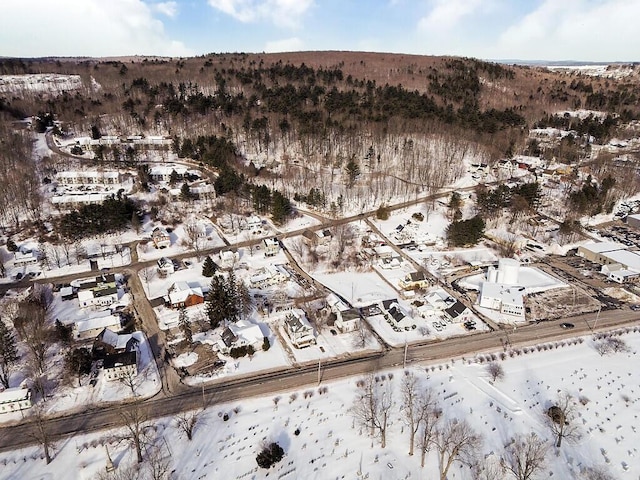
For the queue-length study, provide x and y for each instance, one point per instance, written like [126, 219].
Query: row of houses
[88, 177]
[149, 140]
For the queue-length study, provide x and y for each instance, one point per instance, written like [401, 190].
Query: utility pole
[597, 317]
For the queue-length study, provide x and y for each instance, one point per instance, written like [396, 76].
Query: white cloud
[170, 9]
[447, 13]
[601, 30]
[283, 13]
[293, 44]
[34, 28]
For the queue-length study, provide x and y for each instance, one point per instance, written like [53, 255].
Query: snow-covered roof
[631, 260]
[181, 295]
[248, 331]
[97, 323]
[15, 394]
[507, 294]
[600, 247]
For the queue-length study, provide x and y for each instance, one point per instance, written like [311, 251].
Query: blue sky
[593, 30]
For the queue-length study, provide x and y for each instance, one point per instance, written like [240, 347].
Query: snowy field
[322, 440]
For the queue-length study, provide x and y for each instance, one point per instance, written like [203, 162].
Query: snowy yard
[322, 440]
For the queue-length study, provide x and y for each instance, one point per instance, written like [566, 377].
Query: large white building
[501, 290]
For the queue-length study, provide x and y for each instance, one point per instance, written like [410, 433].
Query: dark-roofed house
[458, 313]
[414, 280]
[396, 315]
[299, 329]
[110, 342]
[120, 365]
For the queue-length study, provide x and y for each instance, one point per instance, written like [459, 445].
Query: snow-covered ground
[322, 440]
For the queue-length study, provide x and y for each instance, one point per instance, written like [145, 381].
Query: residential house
[120, 365]
[299, 329]
[439, 299]
[228, 259]
[269, 275]
[99, 293]
[320, 237]
[240, 334]
[458, 313]
[165, 266]
[160, 238]
[391, 263]
[163, 172]
[396, 316]
[348, 320]
[88, 177]
[324, 236]
[24, 258]
[111, 342]
[271, 247]
[90, 328]
[15, 399]
[74, 200]
[182, 295]
[254, 223]
[415, 281]
[309, 237]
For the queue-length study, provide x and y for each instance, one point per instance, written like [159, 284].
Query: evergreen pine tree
[216, 310]
[185, 325]
[231, 298]
[209, 267]
[185, 193]
[8, 353]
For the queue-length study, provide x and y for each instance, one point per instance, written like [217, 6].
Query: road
[270, 383]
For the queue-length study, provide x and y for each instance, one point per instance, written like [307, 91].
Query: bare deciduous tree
[495, 370]
[196, 237]
[372, 407]
[525, 456]
[41, 432]
[187, 422]
[135, 418]
[560, 418]
[362, 334]
[456, 441]
[596, 473]
[429, 415]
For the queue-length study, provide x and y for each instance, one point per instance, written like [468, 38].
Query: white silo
[508, 271]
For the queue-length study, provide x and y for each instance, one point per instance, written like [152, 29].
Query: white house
[160, 238]
[269, 275]
[22, 259]
[98, 297]
[228, 259]
[15, 399]
[348, 320]
[90, 328]
[439, 299]
[162, 173]
[165, 266]
[88, 177]
[271, 247]
[120, 365]
[254, 223]
[299, 329]
[240, 334]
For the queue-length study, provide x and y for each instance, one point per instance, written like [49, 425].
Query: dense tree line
[465, 232]
[113, 215]
[592, 198]
[491, 202]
